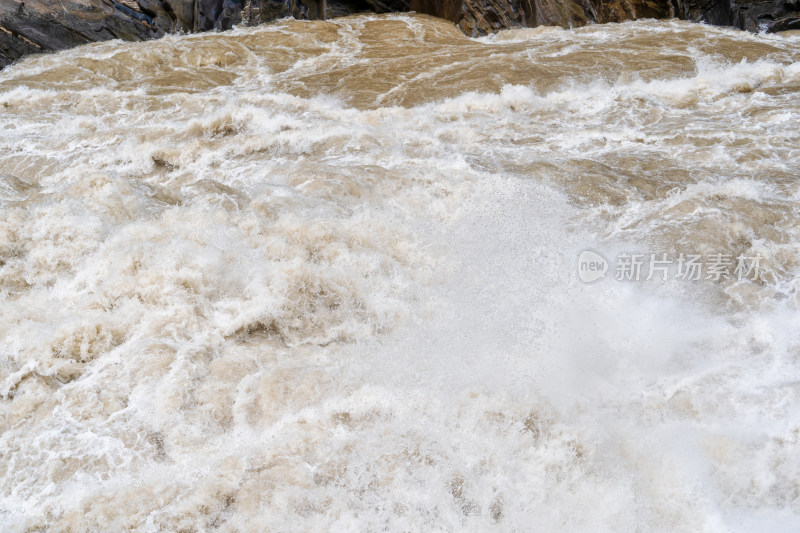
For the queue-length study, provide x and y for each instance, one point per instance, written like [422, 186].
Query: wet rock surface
[34, 26]
[478, 17]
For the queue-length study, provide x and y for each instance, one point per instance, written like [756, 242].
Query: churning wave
[322, 276]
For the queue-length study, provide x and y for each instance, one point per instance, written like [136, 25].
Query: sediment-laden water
[321, 276]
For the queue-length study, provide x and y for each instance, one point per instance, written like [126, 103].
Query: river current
[370, 274]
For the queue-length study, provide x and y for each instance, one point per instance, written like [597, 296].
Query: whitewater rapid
[324, 276]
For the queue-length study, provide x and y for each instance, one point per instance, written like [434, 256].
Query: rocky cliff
[31, 26]
[477, 17]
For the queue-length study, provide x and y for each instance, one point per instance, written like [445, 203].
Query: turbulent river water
[325, 276]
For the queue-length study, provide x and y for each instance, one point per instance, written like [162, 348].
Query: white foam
[258, 306]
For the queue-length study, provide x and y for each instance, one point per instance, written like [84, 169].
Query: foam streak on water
[322, 276]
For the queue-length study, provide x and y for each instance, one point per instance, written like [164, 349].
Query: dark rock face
[750, 15]
[477, 17]
[258, 11]
[31, 26]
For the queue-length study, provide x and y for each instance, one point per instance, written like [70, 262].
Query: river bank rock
[478, 17]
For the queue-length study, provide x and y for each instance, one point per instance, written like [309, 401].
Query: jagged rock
[31, 26]
[258, 11]
[478, 17]
[34, 26]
